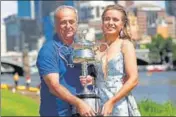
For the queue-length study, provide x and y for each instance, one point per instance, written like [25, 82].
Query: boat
[156, 68]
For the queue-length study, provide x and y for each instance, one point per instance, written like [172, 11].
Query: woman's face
[112, 22]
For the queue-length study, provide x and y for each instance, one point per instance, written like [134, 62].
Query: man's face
[66, 23]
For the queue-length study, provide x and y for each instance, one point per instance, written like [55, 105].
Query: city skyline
[12, 7]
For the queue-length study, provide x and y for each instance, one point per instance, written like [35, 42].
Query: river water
[158, 86]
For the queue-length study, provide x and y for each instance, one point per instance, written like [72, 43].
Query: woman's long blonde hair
[126, 32]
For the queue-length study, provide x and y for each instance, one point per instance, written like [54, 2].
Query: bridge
[142, 56]
[17, 66]
[10, 65]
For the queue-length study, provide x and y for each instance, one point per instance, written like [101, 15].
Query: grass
[19, 105]
[150, 108]
[13, 104]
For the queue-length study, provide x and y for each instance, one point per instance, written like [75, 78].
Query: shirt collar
[60, 42]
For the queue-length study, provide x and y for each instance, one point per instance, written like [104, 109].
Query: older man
[59, 79]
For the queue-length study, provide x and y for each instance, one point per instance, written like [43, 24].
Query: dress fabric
[109, 86]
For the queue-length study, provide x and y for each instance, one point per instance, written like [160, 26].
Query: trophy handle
[100, 49]
[83, 34]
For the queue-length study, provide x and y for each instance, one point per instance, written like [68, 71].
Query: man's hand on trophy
[86, 80]
[84, 109]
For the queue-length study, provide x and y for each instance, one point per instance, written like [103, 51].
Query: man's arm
[48, 68]
[60, 91]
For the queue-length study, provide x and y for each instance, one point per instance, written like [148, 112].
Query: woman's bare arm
[130, 69]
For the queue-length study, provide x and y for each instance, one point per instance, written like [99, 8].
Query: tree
[159, 49]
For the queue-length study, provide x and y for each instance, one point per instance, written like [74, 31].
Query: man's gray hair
[65, 6]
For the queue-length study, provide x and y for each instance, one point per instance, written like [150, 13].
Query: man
[58, 77]
[16, 79]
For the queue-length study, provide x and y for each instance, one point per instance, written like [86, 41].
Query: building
[44, 15]
[20, 33]
[171, 22]
[162, 28]
[3, 39]
[12, 33]
[91, 10]
[170, 7]
[147, 16]
[26, 9]
[126, 4]
[46, 9]
[134, 28]
[41, 11]
[32, 22]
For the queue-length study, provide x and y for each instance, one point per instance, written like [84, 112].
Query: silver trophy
[84, 54]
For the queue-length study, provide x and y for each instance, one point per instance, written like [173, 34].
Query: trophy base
[92, 100]
[78, 115]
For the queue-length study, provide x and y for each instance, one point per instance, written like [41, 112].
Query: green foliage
[159, 47]
[174, 51]
[150, 108]
[17, 105]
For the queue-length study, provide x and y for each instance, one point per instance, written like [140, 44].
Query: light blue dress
[108, 87]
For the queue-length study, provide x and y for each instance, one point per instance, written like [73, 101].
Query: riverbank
[23, 103]
[150, 108]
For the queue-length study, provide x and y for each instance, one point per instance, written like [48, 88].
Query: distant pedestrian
[28, 81]
[16, 79]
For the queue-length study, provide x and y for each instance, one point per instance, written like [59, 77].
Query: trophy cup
[84, 54]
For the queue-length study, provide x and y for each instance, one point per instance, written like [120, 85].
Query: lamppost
[26, 66]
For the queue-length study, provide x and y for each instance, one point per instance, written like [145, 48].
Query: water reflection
[159, 87]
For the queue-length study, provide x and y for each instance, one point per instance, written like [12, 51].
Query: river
[158, 86]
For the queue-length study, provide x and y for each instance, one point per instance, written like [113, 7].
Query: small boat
[156, 68]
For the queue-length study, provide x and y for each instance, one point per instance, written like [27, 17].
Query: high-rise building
[21, 32]
[171, 7]
[33, 20]
[42, 12]
[44, 15]
[26, 8]
[12, 33]
[47, 7]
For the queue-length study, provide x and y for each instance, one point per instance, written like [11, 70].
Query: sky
[10, 7]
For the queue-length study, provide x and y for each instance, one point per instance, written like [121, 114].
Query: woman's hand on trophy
[86, 80]
[107, 108]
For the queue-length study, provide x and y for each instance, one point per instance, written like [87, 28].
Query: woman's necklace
[105, 60]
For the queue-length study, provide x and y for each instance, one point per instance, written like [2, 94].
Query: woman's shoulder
[127, 45]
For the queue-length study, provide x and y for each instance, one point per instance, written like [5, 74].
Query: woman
[117, 62]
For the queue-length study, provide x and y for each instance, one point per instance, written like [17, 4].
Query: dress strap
[121, 46]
